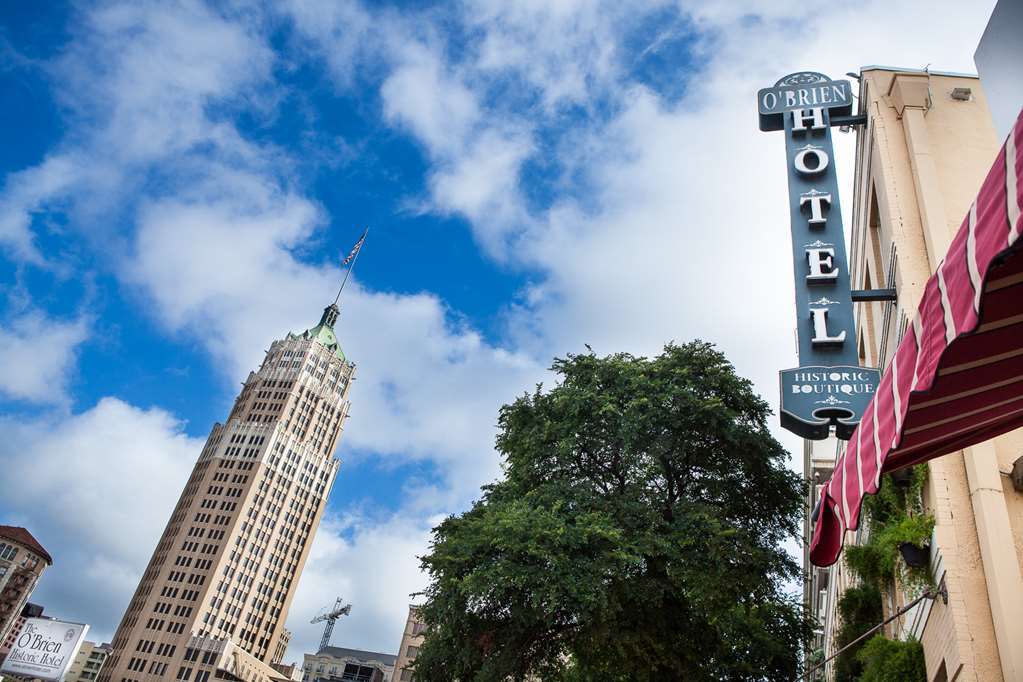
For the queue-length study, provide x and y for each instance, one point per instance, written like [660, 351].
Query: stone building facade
[88, 662]
[22, 562]
[338, 664]
[214, 598]
[921, 157]
[411, 639]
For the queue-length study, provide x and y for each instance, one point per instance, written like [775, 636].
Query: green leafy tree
[636, 535]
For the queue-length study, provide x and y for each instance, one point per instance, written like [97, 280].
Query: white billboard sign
[45, 648]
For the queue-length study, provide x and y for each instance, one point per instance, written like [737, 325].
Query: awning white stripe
[1011, 190]
[845, 488]
[971, 258]
[877, 446]
[897, 407]
[946, 307]
[859, 460]
[918, 333]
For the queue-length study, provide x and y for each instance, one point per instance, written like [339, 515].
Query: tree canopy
[636, 534]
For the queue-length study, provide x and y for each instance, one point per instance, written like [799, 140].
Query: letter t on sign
[817, 201]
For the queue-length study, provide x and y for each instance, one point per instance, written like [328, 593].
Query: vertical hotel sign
[829, 388]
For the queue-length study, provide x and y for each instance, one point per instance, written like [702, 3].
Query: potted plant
[903, 477]
[915, 556]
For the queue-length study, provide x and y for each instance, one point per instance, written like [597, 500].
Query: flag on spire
[355, 249]
[352, 257]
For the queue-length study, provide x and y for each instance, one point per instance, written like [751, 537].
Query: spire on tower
[330, 314]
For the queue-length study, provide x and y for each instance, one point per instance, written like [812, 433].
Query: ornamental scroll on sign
[829, 388]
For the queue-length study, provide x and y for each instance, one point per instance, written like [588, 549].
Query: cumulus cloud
[666, 220]
[37, 356]
[96, 489]
[431, 101]
[372, 566]
[427, 387]
[139, 82]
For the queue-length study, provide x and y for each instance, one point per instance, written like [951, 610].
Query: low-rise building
[338, 664]
[411, 640]
[29, 611]
[22, 562]
[88, 662]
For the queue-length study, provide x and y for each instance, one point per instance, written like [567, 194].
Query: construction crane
[331, 617]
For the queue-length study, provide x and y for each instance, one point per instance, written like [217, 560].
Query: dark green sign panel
[815, 398]
[802, 91]
[829, 388]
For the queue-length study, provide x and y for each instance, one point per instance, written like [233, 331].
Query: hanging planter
[915, 556]
[903, 478]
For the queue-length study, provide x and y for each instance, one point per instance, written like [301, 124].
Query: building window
[406, 674]
[412, 651]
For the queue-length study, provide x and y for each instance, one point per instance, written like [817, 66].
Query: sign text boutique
[829, 387]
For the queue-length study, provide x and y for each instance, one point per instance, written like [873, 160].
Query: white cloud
[372, 566]
[138, 82]
[681, 231]
[224, 272]
[435, 105]
[483, 185]
[96, 489]
[345, 25]
[37, 356]
[26, 193]
[143, 76]
[689, 237]
[567, 51]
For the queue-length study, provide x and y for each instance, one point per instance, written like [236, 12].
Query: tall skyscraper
[213, 601]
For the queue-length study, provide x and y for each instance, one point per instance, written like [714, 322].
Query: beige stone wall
[20, 570]
[920, 161]
[412, 637]
[88, 663]
[226, 567]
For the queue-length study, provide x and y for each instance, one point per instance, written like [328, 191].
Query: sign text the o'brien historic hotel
[829, 387]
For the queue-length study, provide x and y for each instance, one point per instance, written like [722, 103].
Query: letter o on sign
[820, 161]
[770, 100]
[22, 642]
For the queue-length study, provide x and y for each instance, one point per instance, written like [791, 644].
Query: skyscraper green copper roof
[324, 331]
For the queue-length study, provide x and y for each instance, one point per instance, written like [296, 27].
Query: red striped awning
[957, 376]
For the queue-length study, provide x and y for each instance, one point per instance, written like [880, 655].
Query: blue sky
[180, 181]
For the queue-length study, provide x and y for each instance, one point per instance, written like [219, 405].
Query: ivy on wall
[886, 660]
[894, 516]
[860, 609]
